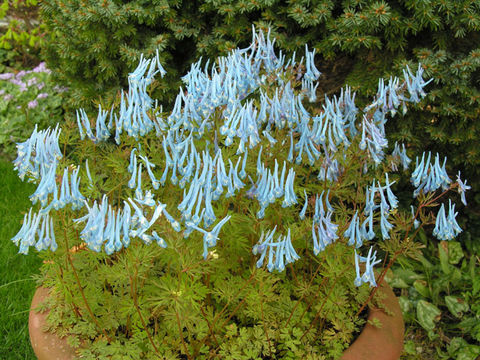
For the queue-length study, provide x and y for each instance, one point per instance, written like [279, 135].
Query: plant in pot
[244, 224]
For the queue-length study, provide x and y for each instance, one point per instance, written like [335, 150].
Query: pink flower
[20, 74]
[42, 96]
[31, 81]
[41, 68]
[6, 76]
[32, 104]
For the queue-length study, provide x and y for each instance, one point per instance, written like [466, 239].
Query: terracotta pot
[385, 343]
[47, 346]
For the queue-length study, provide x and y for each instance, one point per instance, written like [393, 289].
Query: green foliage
[24, 35]
[143, 299]
[444, 291]
[27, 98]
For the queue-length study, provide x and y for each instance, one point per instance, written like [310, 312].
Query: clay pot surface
[47, 346]
[385, 343]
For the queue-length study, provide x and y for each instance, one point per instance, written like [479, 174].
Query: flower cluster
[282, 250]
[446, 227]
[400, 154]
[249, 107]
[368, 276]
[427, 177]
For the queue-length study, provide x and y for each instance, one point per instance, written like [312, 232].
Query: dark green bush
[95, 43]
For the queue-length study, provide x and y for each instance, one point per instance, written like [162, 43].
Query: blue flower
[446, 227]
[353, 232]
[304, 209]
[368, 276]
[402, 155]
[462, 187]
[290, 197]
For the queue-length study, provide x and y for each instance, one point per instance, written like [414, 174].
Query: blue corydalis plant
[267, 146]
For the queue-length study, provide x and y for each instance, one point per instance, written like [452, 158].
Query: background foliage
[27, 98]
[23, 35]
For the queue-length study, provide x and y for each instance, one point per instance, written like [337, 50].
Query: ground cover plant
[23, 35]
[154, 247]
[27, 98]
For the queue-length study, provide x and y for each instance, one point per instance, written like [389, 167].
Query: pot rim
[384, 343]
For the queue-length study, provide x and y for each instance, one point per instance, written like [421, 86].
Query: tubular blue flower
[402, 155]
[138, 190]
[175, 224]
[370, 234]
[259, 161]
[210, 237]
[149, 165]
[262, 247]
[446, 228]
[304, 209]
[392, 199]
[132, 168]
[290, 197]
[462, 188]
[368, 276]
[385, 226]
[312, 73]
[160, 241]
[77, 198]
[290, 253]
[65, 196]
[350, 233]
[237, 183]
[416, 223]
[242, 173]
[358, 280]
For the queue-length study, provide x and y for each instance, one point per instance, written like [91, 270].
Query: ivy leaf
[443, 256]
[427, 315]
[455, 252]
[456, 305]
[422, 287]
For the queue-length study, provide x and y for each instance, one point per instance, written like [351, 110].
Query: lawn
[16, 284]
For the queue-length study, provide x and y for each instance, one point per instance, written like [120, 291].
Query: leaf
[427, 314]
[455, 252]
[422, 287]
[409, 276]
[456, 305]
[443, 255]
[405, 304]
[375, 323]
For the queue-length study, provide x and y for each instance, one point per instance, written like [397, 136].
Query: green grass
[16, 270]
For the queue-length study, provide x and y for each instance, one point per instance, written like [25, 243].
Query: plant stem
[209, 326]
[133, 294]
[80, 288]
[263, 319]
[228, 303]
[181, 335]
[301, 297]
[323, 304]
